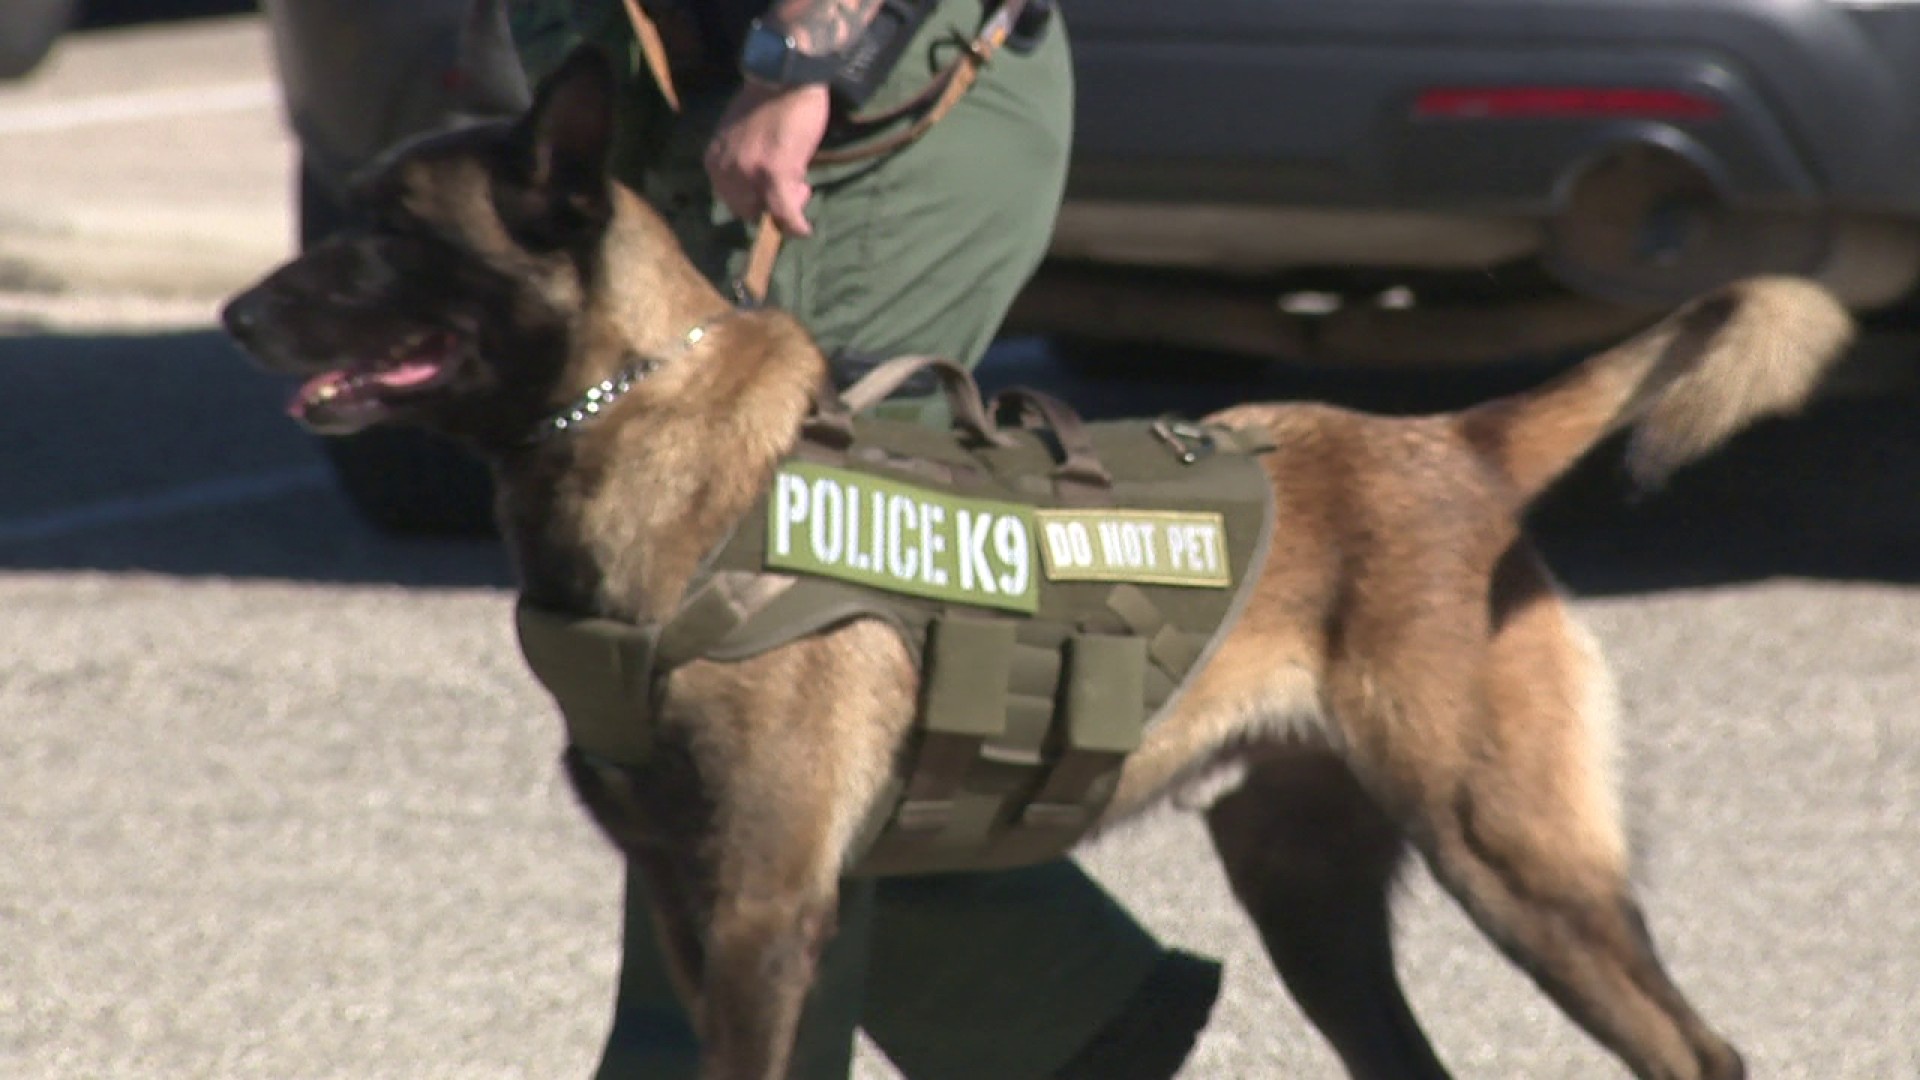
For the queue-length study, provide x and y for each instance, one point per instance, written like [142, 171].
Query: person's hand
[758, 158]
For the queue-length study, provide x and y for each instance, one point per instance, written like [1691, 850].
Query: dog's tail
[1684, 385]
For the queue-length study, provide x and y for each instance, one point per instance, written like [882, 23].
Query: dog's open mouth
[349, 398]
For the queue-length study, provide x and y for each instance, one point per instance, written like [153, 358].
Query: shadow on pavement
[100, 13]
[166, 453]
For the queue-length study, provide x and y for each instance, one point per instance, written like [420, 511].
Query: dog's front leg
[741, 939]
[797, 745]
[761, 958]
[657, 818]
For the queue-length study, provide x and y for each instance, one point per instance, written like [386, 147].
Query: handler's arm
[770, 131]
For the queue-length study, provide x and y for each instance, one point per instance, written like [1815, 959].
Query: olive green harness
[1053, 606]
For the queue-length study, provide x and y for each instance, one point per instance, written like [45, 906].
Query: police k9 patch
[903, 538]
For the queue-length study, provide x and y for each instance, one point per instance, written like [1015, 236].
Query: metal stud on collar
[599, 397]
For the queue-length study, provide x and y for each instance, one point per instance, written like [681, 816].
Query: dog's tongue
[347, 400]
[347, 388]
[409, 373]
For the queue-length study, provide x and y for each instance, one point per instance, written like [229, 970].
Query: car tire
[28, 29]
[399, 480]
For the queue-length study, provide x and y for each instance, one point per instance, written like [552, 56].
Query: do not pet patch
[1148, 547]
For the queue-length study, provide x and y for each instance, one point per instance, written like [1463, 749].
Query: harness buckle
[1189, 441]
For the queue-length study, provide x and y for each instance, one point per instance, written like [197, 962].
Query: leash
[654, 47]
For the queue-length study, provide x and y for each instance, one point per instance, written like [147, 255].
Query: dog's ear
[568, 135]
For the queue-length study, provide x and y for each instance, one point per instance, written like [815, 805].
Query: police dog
[1405, 673]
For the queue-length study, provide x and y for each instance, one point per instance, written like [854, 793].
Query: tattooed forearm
[824, 27]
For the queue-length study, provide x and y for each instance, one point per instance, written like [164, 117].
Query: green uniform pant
[1002, 975]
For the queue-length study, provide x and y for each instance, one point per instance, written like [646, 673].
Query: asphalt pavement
[277, 798]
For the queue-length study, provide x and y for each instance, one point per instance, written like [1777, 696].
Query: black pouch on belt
[1031, 26]
[869, 59]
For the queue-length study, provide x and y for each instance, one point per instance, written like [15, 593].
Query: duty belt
[1053, 607]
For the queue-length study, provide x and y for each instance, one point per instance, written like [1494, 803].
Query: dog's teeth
[330, 390]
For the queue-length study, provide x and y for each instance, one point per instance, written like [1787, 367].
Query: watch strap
[770, 55]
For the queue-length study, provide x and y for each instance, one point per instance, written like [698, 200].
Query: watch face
[764, 54]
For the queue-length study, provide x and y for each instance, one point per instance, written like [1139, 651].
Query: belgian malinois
[1405, 673]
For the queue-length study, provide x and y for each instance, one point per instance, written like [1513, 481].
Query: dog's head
[474, 294]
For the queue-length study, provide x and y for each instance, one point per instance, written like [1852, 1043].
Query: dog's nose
[242, 315]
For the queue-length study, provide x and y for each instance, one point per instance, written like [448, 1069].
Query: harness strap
[965, 702]
[712, 612]
[1103, 694]
[1079, 477]
[805, 607]
[601, 672]
[833, 415]
[1171, 650]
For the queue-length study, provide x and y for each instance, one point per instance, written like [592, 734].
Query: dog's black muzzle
[245, 318]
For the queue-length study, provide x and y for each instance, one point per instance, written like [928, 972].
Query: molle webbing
[1024, 719]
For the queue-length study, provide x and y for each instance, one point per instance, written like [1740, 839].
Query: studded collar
[598, 398]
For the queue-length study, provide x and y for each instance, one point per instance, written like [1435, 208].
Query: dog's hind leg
[1518, 821]
[1312, 857]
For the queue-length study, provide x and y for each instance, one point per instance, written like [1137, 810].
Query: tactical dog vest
[1053, 606]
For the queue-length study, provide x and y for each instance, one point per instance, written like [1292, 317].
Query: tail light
[1562, 103]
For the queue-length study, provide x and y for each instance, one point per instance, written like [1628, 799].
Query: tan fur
[1405, 674]
[1402, 633]
[1685, 384]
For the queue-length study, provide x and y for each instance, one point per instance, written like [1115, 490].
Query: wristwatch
[770, 55]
